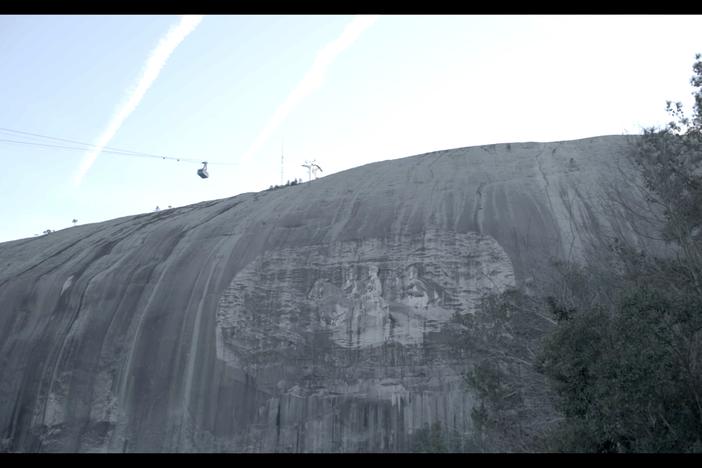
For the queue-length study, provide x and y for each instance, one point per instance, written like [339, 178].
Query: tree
[514, 409]
[628, 370]
[629, 381]
[670, 160]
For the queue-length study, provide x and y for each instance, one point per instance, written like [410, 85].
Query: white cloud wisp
[312, 79]
[154, 64]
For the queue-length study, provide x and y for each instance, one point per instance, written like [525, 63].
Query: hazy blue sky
[343, 90]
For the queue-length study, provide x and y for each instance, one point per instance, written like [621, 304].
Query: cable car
[202, 172]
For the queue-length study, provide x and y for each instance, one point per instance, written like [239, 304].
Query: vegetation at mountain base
[620, 367]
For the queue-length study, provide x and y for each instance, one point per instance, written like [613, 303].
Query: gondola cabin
[202, 172]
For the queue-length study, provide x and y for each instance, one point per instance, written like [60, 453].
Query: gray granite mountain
[309, 318]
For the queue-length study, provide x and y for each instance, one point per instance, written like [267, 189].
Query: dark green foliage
[629, 381]
[287, 184]
[671, 164]
[559, 311]
[626, 356]
[514, 406]
[611, 359]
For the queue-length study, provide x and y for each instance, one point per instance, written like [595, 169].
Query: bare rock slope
[308, 318]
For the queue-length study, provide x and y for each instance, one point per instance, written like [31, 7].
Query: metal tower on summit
[312, 168]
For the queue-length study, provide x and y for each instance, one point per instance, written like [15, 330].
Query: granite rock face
[316, 317]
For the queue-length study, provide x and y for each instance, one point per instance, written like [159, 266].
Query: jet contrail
[313, 78]
[154, 64]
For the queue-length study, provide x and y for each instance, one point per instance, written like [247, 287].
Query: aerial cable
[105, 149]
[122, 153]
[8, 130]
[46, 145]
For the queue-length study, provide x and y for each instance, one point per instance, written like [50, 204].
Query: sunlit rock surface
[316, 317]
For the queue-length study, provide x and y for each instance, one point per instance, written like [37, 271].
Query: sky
[239, 90]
